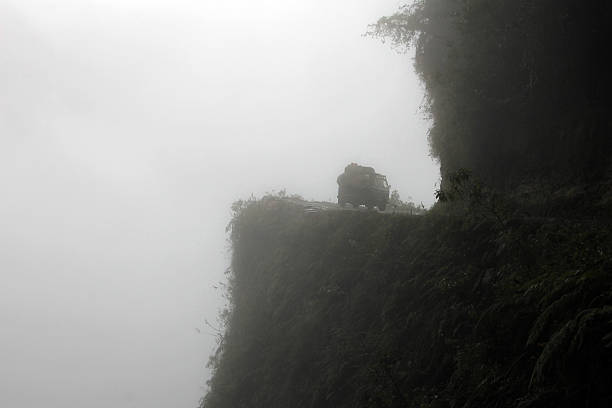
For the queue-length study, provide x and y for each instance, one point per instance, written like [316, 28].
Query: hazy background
[127, 128]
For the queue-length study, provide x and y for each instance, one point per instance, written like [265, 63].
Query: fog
[127, 129]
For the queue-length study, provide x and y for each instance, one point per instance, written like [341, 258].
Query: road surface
[317, 206]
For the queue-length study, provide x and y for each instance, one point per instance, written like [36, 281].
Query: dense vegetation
[518, 90]
[353, 309]
[501, 295]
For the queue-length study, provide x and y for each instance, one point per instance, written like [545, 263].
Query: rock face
[361, 309]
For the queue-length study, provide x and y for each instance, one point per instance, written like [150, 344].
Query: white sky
[127, 128]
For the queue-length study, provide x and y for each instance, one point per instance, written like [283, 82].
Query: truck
[361, 185]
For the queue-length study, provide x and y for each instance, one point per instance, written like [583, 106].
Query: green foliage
[396, 203]
[516, 89]
[355, 309]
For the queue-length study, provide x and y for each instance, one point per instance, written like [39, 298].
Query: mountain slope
[354, 309]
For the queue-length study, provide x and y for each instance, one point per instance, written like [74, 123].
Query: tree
[396, 203]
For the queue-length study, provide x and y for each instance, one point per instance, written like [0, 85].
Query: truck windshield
[381, 182]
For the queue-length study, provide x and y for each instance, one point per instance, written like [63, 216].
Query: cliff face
[518, 90]
[361, 309]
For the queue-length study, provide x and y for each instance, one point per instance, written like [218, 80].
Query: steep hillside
[455, 308]
[517, 90]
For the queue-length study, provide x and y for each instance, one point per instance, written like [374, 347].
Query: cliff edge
[362, 309]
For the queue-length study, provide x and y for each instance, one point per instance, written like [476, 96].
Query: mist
[127, 129]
